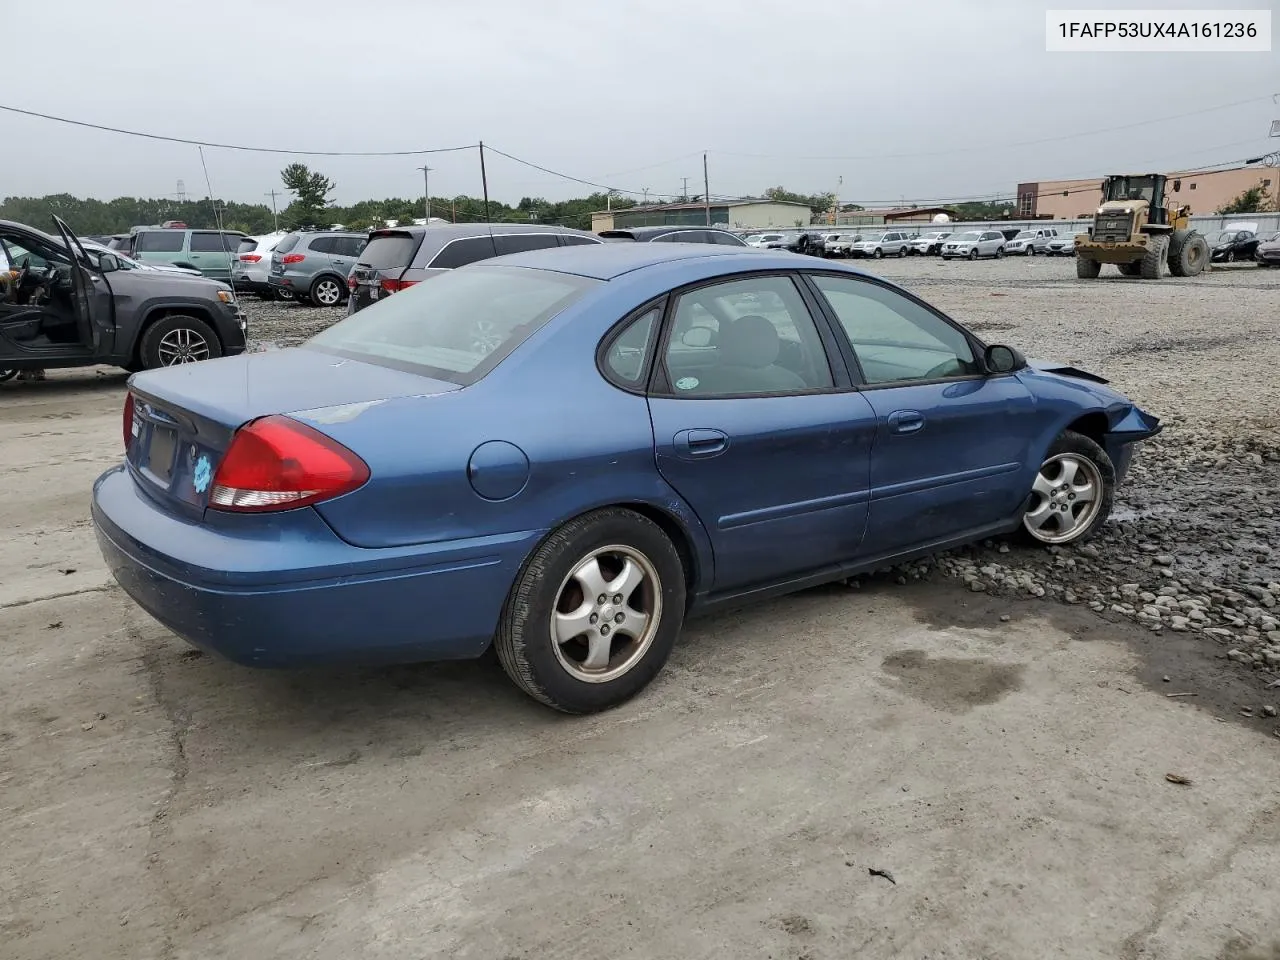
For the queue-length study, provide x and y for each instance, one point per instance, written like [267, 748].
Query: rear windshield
[247, 245]
[387, 250]
[160, 241]
[457, 326]
[288, 243]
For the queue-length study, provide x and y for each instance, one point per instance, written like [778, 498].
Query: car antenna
[484, 185]
[217, 219]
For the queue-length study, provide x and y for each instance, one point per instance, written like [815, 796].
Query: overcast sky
[923, 99]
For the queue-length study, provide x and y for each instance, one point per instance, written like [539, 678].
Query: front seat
[747, 361]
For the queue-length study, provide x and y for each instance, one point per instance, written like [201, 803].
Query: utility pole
[684, 194]
[835, 206]
[426, 190]
[646, 195]
[275, 217]
[706, 189]
[484, 182]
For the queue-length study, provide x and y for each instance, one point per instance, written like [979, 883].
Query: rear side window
[459, 326]
[573, 240]
[625, 359]
[322, 244]
[160, 241]
[288, 243]
[520, 242]
[459, 253]
[387, 250]
[209, 242]
[727, 239]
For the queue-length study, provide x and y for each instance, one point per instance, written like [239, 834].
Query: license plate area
[161, 452]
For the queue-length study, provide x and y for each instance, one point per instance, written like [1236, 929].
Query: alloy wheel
[327, 293]
[1068, 490]
[606, 614]
[182, 345]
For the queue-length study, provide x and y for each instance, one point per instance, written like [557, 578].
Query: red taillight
[292, 258]
[250, 257]
[278, 464]
[391, 286]
[128, 420]
[352, 283]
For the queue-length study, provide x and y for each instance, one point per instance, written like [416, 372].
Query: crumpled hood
[1065, 370]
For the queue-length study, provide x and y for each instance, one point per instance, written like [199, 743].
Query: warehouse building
[731, 215]
[1204, 191]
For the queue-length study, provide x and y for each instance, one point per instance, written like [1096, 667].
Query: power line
[233, 146]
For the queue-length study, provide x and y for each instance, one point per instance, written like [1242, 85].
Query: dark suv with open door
[63, 306]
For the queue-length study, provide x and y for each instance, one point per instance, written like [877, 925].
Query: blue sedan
[564, 453]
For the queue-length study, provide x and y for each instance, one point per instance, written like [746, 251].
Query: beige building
[1205, 192]
[731, 215]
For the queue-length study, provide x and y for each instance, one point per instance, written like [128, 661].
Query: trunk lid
[184, 416]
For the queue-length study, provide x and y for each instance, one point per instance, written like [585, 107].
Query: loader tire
[1151, 266]
[1188, 253]
[1087, 269]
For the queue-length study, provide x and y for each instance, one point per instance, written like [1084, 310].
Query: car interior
[37, 306]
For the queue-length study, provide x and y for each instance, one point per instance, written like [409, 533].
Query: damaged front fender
[1134, 425]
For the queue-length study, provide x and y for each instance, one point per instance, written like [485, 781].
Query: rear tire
[536, 640]
[902, 252]
[1087, 269]
[1188, 253]
[999, 253]
[178, 339]
[1152, 265]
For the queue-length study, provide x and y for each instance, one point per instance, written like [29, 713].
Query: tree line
[311, 206]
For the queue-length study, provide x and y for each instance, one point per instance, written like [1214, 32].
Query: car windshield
[1130, 188]
[965, 237]
[1219, 236]
[1274, 237]
[1024, 235]
[458, 326]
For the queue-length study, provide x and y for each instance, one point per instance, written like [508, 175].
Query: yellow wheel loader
[1139, 230]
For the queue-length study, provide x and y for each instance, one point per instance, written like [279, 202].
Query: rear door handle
[700, 442]
[906, 421]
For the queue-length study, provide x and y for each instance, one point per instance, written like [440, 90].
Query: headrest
[750, 341]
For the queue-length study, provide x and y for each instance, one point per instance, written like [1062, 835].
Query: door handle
[906, 421]
[697, 443]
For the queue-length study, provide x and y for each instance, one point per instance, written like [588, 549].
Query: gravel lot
[996, 728]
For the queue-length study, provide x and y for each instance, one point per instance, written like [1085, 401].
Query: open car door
[84, 295]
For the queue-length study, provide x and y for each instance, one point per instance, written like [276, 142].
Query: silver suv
[399, 257]
[889, 243]
[314, 266]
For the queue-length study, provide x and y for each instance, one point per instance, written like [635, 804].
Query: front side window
[745, 337]
[573, 240]
[33, 253]
[894, 338]
[459, 326]
[159, 241]
[521, 242]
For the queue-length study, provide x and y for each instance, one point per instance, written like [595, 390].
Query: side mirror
[1177, 186]
[696, 337]
[107, 263]
[1001, 359]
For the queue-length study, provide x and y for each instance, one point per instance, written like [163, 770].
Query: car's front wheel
[878, 254]
[594, 613]
[1072, 492]
[973, 253]
[178, 339]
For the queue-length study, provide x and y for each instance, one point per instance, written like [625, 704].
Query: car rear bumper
[286, 591]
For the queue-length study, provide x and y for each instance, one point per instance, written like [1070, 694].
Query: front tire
[326, 292]
[1072, 493]
[594, 613]
[178, 339]
[878, 254]
[973, 253]
[1152, 264]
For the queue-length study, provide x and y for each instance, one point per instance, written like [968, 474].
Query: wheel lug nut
[604, 631]
[618, 619]
[602, 599]
[617, 598]
[593, 618]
